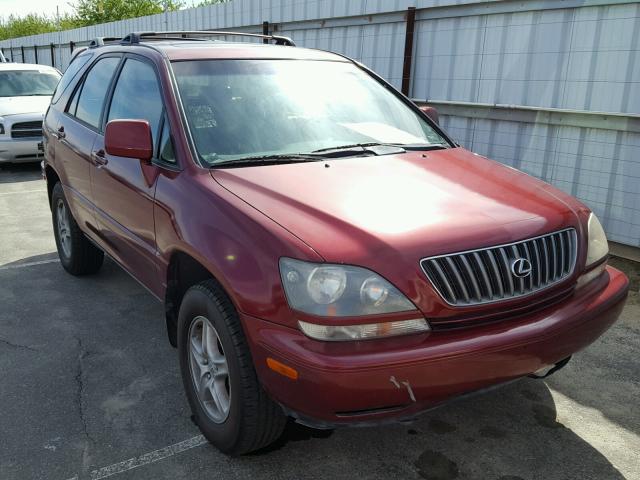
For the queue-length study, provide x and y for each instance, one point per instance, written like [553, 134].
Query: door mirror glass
[432, 113]
[129, 138]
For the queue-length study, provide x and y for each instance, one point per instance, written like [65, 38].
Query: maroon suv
[324, 251]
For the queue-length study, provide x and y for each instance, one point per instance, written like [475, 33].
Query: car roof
[26, 67]
[214, 49]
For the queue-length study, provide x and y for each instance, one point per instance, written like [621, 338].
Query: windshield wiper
[372, 148]
[268, 160]
[378, 148]
[360, 149]
[357, 145]
[426, 146]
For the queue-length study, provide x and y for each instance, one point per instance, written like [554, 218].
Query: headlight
[597, 249]
[597, 246]
[339, 290]
[325, 285]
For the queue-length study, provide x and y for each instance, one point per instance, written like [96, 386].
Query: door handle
[99, 158]
[61, 133]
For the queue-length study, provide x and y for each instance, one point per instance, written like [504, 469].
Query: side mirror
[129, 138]
[432, 113]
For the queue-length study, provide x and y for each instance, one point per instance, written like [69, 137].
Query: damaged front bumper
[372, 382]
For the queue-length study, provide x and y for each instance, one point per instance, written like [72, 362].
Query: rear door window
[94, 91]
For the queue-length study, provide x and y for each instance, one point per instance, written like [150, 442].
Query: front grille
[487, 275]
[26, 130]
[496, 314]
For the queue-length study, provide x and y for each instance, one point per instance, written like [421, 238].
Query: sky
[47, 7]
[24, 7]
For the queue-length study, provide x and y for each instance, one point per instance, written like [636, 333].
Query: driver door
[124, 188]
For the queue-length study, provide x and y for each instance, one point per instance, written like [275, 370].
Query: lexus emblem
[521, 267]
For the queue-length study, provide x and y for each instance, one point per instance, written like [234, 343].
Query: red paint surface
[129, 138]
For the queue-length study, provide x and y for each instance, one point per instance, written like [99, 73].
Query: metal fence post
[72, 45]
[35, 52]
[53, 54]
[265, 31]
[22, 53]
[408, 50]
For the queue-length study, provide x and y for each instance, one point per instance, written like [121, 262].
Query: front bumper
[394, 379]
[15, 150]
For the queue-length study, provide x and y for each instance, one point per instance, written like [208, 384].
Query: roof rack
[101, 41]
[194, 35]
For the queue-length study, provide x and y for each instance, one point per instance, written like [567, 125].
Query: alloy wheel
[209, 369]
[64, 230]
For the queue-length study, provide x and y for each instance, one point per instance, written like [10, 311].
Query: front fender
[236, 243]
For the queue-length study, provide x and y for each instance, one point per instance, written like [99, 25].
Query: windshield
[27, 83]
[253, 108]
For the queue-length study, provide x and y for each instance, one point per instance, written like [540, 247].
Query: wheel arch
[52, 178]
[183, 272]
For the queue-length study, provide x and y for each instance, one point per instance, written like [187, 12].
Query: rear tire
[77, 254]
[219, 371]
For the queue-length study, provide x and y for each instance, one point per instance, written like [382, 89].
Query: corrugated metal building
[547, 86]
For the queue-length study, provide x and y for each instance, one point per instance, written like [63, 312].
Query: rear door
[76, 134]
[124, 188]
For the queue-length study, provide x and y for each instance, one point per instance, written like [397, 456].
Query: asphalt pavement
[90, 389]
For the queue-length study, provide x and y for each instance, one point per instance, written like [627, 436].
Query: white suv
[25, 94]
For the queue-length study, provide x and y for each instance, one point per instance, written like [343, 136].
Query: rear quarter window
[70, 73]
[94, 90]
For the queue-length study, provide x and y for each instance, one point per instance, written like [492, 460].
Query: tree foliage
[89, 12]
[33, 24]
[92, 12]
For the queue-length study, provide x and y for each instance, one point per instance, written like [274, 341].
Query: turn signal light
[339, 333]
[282, 369]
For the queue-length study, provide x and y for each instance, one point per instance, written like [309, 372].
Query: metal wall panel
[582, 59]
[576, 54]
[378, 46]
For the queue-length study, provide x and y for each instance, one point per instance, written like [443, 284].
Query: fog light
[340, 333]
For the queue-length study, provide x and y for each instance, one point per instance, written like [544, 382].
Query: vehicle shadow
[35, 259]
[606, 378]
[510, 433]
[20, 172]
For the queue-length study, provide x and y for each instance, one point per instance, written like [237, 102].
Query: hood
[387, 213]
[18, 105]
[428, 204]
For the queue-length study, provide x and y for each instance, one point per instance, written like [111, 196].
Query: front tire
[229, 405]
[77, 254]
